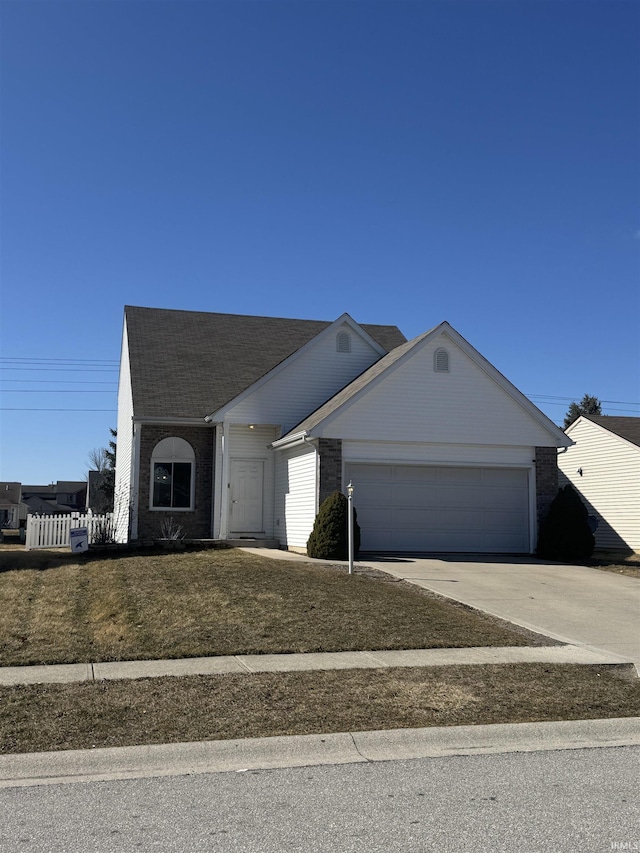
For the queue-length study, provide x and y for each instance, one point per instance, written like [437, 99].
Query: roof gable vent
[441, 361]
[343, 342]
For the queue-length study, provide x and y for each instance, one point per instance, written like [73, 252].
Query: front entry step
[253, 543]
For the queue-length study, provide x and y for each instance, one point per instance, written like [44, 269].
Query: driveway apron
[572, 603]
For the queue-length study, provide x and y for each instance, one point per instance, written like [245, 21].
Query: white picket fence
[53, 531]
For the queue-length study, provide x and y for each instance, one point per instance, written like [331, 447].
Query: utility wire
[6, 409]
[42, 360]
[64, 381]
[65, 369]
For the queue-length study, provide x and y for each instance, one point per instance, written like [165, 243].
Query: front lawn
[42, 717]
[56, 608]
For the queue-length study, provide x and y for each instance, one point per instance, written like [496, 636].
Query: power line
[42, 360]
[54, 391]
[64, 381]
[5, 409]
[64, 369]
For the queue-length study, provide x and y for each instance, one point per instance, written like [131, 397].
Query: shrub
[329, 537]
[565, 534]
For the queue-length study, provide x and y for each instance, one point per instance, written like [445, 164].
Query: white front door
[246, 496]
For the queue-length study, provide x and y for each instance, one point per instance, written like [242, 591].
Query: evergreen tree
[565, 534]
[329, 537]
[587, 406]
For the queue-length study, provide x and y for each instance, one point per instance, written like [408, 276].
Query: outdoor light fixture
[580, 471]
[350, 525]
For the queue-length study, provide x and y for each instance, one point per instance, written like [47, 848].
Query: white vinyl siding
[308, 381]
[296, 504]
[609, 485]
[415, 403]
[124, 449]
[425, 453]
[441, 508]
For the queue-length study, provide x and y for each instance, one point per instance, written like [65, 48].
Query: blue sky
[406, 162]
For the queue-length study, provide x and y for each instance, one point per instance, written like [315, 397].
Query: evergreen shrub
[565, 534]
[329, 537]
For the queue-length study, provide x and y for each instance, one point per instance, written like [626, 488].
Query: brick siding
[196, 523]
[546, 480]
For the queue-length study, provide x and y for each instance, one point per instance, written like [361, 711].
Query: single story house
[237, 427]
[603, 465]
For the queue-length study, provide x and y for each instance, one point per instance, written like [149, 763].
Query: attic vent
[343, 342]
[441, 361]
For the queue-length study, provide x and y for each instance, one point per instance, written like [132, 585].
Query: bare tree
[98, 460]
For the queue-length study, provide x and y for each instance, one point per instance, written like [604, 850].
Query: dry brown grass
[170, 710]
[56, 609]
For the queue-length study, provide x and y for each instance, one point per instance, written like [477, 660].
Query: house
[603, 465]
[237, 427]
[11, 510]
[57, 498]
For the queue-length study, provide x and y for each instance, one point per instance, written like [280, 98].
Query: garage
[441, 508]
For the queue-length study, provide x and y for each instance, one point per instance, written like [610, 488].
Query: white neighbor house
[237, 427]
[604, 467]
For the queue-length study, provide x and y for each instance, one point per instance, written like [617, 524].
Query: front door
[247, 480]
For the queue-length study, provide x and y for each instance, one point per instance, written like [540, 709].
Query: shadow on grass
[14, 558]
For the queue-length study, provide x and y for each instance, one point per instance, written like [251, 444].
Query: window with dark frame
[172, 485]
[172, 475]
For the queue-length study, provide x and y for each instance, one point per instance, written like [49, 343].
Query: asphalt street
[580, 800]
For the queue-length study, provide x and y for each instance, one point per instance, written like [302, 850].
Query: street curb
[185, 759]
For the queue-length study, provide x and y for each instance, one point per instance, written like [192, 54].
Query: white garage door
[420, 508]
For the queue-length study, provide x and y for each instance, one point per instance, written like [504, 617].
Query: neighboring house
[238, 427]
[57, 498]
[604, 467]
[10, 505]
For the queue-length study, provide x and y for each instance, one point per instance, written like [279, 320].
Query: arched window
[441, 361]
[173, 465]
[343, 342]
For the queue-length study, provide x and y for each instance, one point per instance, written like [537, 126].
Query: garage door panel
[375, 494]
[375, 473]
[431, 508]
[503, 499]
[456, 476]
[415, 496]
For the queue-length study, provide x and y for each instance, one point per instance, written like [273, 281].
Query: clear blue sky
[407, 162]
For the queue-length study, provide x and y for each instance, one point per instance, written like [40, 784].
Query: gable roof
[187, 364]
[626, 427]
[393, 359]
[10, 493]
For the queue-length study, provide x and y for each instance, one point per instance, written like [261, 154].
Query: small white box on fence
[79, 537]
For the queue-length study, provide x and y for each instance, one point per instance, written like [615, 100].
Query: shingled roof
[187, 364]
[626, 427]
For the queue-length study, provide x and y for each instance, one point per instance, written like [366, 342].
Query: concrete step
[253, 543]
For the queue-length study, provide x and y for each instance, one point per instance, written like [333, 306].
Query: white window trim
[165, 459]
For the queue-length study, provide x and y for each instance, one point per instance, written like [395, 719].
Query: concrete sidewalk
[115, 670]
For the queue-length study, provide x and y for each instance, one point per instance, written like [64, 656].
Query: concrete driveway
[571, 603]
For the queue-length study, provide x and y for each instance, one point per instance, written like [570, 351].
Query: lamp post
[350, 525]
